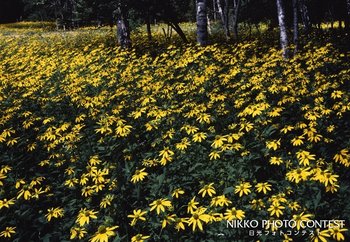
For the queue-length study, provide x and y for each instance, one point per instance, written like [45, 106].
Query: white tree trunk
[123, 31]
[283, 29]
[202, 28]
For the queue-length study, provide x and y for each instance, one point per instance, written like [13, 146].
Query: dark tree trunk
[214, 10]
[295, 25]
[227, 12]
[236, 7]
[283, 29]
[179, 31]
[123, 31]
[304, 15]
[202, 30]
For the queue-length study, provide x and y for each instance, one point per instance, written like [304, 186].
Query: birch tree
[202, 28]
[123, 31]
[283, 28]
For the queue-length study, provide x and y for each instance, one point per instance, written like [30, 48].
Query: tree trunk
[179, 31]
[236, 7]
[224, 18]
[214, 10]
[227, 15]
[295, 25]
[74, 20]
[304, 15]
[209, 24]
[202, 30]
[123, 31]
[283, 29]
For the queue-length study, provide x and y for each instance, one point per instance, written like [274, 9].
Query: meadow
[168, 141]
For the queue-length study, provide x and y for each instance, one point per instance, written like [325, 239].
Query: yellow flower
[257, 204]
[273, 145]
[336, 94]
[332, 188]
[243, 188]
[276, 209]
[320, 236]
[139, 175]
[179, 223]
[19, 182]
[183, 144]
[197, 218]
[342, 156]
[214, 155]
[336, 233]
[6, 203]
[207, 189]
[276, 160]
[263, 187]
[247, 126]
[54, 213]
[94, 160]
[297, 141]
[300, 219]
[76, 232]
[177, 192]
[7, 233]
[160, 205]
[137, 215]
[298, 174]
[286, 238]
[4, 169]
[103, 234]
[220, 201]
[168, 220]
[219, 141]
[199, 137]
[204, 118]
[139, 238]
[294, 206]
[71, 182]
[107, 201]
[286, 129]
[166, 153]
[25, 193]
[233, 213]
[123, 130]
[85, 215]
[330, 178]
[305, 157]
[192, 205]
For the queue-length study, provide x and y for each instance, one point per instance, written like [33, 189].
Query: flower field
[103, 144]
